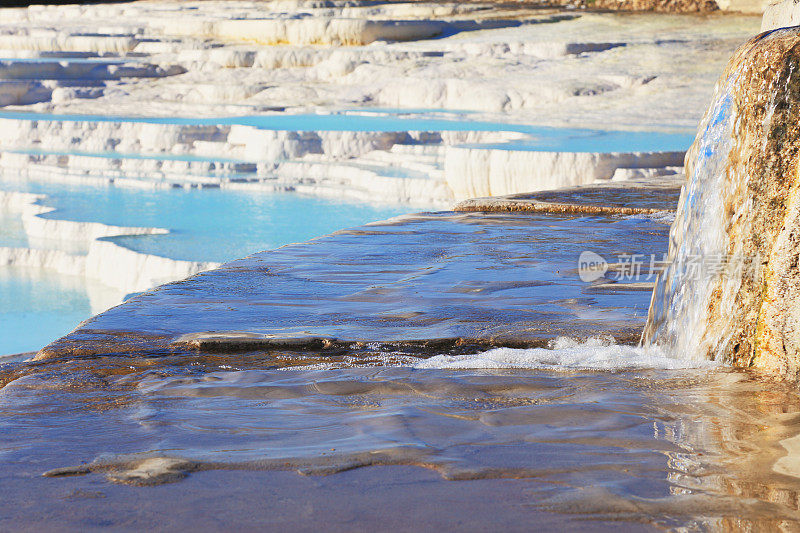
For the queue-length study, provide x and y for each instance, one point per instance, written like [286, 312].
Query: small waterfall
[698, 238]
[707, 301]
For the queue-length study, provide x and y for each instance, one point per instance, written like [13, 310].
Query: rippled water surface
[346, 389]
[281, 438]
[405, 375]
[472, 279]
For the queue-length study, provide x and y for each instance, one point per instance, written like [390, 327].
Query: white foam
[662, 217]
[569, 354]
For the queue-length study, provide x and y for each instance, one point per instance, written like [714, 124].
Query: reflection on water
[208, 225]
[542, 138]
[37, 306]
[692, 448]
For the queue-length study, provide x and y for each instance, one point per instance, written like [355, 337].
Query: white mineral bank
[195, 59]
[472, 172]
[555, 68]
[780, 14]
[427, 169]
[73, 248]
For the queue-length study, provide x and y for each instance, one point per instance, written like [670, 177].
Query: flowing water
[346, 383]
[698, 236]
[738, 173]
[129, 432]
[365, 441]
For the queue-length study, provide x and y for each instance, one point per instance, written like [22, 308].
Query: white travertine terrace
[556, 68]
[209, 59]
[417, 168]
[780, 14]
[474, 172]
[73, 248]
[217, 59]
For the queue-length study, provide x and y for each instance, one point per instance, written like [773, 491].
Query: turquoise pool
[37, 306]
[206, 225]
[544, 138]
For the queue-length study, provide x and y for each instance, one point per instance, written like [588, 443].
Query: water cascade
[731, 286]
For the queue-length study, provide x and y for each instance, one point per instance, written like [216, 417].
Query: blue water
[209, 224]
[67, 59]
[12, 233]
[36, 307]
[599, 141]
[123, 155]
[221, 225]
[546, 139]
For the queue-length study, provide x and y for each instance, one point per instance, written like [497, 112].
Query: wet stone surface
[604, 199]
[241, 397]
[321, 446]
[433, 279]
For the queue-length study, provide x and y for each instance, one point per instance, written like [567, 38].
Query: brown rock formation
[665, 6]
[754, 321]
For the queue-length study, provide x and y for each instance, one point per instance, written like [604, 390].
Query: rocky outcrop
[781, 15]
[741, 207]
[666, 6]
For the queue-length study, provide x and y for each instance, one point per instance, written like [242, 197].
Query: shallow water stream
[326, 393]
[282, 438]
